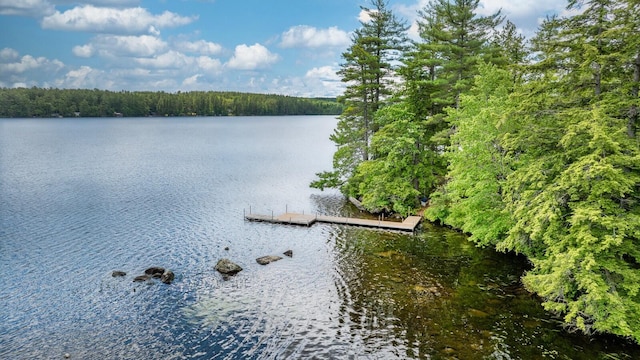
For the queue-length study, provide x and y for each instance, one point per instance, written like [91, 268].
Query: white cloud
[89, 18]
[173, 60]
[209, 65]
[365, 15]
[16, 71]
[28, 63]
[109, 3]
[9, 54]
[323, 73]
[252, 57]
[198, 47]
[309, 36]
[169, 60]
[34, 8]
[519, 9]
[84, 51]
[122, 46]
[85, 77]
[323, 80]
[192, 80]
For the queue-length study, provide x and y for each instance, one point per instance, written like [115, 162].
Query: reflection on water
[435, 295]
[81, 198]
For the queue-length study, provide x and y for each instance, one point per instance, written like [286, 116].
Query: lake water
[80, 198]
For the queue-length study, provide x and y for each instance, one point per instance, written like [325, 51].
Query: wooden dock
[409, 224]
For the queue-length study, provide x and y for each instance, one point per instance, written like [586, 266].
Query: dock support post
[271, 214]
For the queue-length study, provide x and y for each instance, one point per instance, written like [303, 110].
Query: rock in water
[288, 253]
[141, 278]
[155, 271]
[227, 267]
[264, 260]
[118, 273]
[167, 277]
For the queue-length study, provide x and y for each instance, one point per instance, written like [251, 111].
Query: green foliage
[37, 102]
[368, 72]
[582, 222]
[402, 168]
[575, 189]
[543, 159]
[471, 200]
[455, 38]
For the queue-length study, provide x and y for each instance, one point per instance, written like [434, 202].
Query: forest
[37, 102]
[529, 145]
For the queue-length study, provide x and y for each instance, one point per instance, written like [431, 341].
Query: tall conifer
[368, 70]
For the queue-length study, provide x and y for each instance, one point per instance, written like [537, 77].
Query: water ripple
[79, 199]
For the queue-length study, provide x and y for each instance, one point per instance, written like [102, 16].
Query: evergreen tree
[471, 200]
[453, 33]
[403, 167]
[512, 49]
[575, 186]
[368, 71]
[408, 162]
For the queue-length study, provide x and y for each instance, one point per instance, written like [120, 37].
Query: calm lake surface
[80, 198]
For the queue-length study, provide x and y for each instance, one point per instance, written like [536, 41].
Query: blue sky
[289, 47]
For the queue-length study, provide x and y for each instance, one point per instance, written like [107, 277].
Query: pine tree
[455, 40]
[368, 70]
[408, 162]
[512, 49]
[454, 33]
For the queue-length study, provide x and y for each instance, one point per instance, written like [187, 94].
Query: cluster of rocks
[228, 268]
[155, 272]
[225, 267]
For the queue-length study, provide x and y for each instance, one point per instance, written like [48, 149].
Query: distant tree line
[38, 102]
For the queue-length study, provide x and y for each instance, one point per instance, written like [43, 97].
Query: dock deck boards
[409, 224]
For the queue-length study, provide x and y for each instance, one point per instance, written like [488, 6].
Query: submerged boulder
[141, 278]
[118, 273]
[167, 277]
[264, 260]
[155, 271]
[227, 267]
